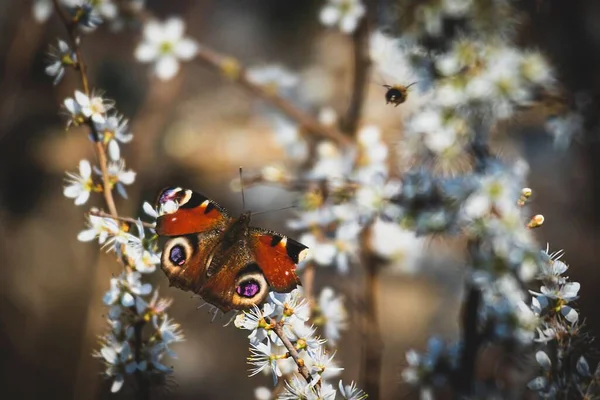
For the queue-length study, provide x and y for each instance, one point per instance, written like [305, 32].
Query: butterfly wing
[184, 259]
[277, 256]
[183, 212]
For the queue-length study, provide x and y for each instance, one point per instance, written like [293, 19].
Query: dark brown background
[195, 131]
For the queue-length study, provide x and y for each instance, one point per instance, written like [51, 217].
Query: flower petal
[329, 15]
[146, 52]
[85, 170]
[117, 384]
[113, 150]
[82, 198]
[166, 67]
[173, 29]
[543, 359]
[186, 49]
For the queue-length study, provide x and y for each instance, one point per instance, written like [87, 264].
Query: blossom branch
[128, 220]
[71, 27]
[277, 327]
[236, 72]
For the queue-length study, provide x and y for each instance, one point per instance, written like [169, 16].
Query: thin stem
[308, 279]
[75, 40]
[235, 71]
[103, 214]
[373, 344]
[143, 392]
[471, 340]
[362, 64]
[278, 329]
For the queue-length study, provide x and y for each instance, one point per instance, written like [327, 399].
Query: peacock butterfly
[224, 260]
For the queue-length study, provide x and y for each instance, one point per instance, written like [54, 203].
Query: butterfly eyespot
[177, 255]
[251, 289]
[248, 288]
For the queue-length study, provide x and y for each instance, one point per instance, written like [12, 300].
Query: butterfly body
[223, 259]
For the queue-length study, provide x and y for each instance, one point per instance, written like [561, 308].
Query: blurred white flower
[390, 241]
[164, 45]
[80, 186]
[345, 14]
[335, 318]
[274, 77]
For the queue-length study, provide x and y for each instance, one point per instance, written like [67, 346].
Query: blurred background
[194, 131]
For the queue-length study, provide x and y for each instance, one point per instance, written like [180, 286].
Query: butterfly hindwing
[183, 212]
[277, 256]
[184, 259]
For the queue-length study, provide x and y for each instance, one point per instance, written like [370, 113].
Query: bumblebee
[396, 94]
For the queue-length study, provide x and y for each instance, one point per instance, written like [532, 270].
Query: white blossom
[164, 45]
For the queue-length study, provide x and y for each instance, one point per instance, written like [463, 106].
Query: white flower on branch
[290, 306]
[81, 185]
[261, 358]
[254, 321]
[82, 107]
[119, 176]
[345, 14]
[59, 57]
[107, 230]
[114, 130]
[164, 45]
[351, 392]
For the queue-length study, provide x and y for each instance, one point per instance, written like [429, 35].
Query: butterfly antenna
[278, 209]
[242, 189]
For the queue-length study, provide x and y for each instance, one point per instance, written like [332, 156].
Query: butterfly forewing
[183, 211]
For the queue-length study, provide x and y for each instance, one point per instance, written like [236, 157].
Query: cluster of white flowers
[284, 318]
[88, 14]
[109, 128]
[564, 369]
[140, 331]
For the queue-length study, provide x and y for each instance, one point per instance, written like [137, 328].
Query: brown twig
[103, 214]
[362, 64]
[75, 40]
[308, 279]
[234, 70]
[278, 329]
[373, 344]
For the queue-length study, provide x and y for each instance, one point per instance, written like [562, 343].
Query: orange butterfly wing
[183, 211]
[277, 256]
